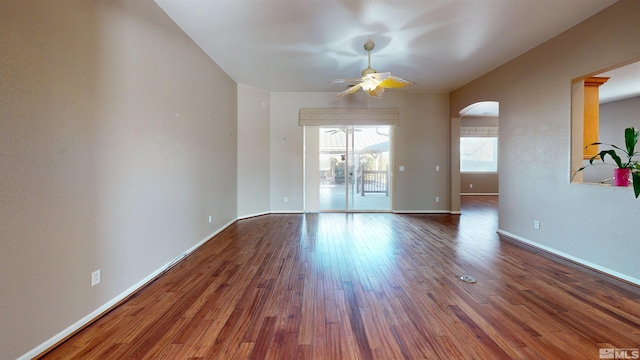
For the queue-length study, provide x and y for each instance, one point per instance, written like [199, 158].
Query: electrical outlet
[286, 199]
[536, 224]
[437, 198]
[96, 277]
[437, 167]
[470, 186]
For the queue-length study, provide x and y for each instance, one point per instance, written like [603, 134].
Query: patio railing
[373, 181]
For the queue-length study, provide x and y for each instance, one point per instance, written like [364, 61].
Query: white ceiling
[301, 45]
[482, 109]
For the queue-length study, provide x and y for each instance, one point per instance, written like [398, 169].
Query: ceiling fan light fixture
[373, 82]
[369, 82]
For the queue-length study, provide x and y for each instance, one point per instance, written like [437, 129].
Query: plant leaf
[636, 183]
[576, 173]
[613, 155]
[630, 140]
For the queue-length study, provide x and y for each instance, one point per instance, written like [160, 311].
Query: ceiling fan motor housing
[369, 45]
[368, 71]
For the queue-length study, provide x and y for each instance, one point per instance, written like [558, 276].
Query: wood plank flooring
[367, 286]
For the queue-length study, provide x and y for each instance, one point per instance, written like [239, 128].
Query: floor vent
[467, 278]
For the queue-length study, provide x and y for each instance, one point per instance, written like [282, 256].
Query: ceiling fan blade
[394, 82]
[377, 92]
[350, 90]
[381, 76]
[345, 81]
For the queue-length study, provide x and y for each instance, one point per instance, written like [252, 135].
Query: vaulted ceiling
[301, 45]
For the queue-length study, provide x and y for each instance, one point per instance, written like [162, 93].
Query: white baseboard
[571, 258]
[421, 211]
[449, 212]
[253, 215]
[463, 194]
[113, 302]
[243, 217]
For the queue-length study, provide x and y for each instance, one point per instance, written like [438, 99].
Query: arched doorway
[474, 140]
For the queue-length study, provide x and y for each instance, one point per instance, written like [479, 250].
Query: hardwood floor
[368, 286]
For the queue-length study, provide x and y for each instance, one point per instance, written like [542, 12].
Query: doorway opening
[476, 144]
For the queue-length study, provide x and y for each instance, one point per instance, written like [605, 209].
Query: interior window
[603, 105]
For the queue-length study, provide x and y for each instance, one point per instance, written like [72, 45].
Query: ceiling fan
[373, 82]
[341, 130]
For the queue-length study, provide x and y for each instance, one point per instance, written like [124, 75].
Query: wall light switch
[401, 168]
[437, 167]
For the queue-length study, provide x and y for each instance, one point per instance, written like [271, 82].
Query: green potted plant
[629, 167]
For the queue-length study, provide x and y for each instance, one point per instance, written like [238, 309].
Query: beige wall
[616, 116]
[117, 140]
[253, 155]
[579, 221]
[421, 142]
[475, 183]
[479, 121]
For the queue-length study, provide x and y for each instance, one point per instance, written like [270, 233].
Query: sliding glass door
[354, 163]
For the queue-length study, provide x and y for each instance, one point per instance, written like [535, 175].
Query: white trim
[571, 258]
[479, 194]
[253, 215]
[479, 173]
[421, 211]
[287, 212]
[108, 305]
